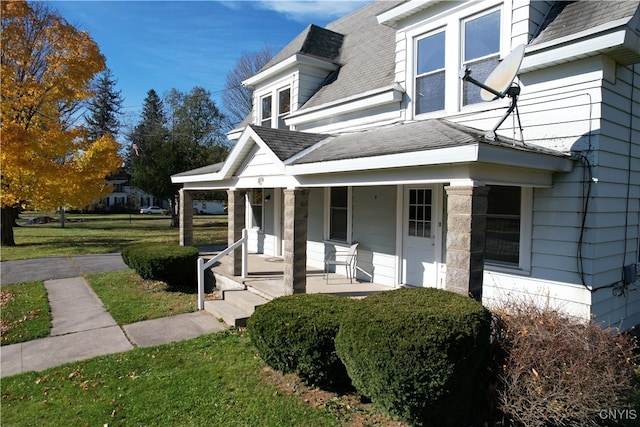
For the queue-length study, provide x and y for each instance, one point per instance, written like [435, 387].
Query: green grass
[25, 313]
[95, 234]
[215, 380]
[130, 299]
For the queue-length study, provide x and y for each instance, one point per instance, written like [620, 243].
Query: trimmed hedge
[172, 264]
[296, 334]
[417, 353]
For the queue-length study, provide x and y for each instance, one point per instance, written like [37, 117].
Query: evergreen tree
[104, 109]
[146, 155]
[197, 125]
[192, 137]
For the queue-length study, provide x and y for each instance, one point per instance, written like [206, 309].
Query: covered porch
[238, 297]
[413, 195]
[265, 277]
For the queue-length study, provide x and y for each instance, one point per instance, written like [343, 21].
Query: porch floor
[265, 277]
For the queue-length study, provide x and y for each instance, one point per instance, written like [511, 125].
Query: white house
[363, 131]
[126, 197]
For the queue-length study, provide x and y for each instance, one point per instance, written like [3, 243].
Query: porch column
[466, 225]
[296, 209]
[186, 217]
[236, 222]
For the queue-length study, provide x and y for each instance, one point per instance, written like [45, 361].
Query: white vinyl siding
[527, 17]
[374, 217]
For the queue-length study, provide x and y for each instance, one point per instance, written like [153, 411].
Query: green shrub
[172, 264]
[297, 333]
[417, 353]
[559, 370]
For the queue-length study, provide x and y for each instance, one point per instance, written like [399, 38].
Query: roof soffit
[393, 16]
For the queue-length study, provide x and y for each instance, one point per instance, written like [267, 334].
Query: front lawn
[130, 299]
[97, 234]
[215, 380]
[24, 312]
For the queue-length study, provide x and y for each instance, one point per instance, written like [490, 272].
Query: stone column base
[296, 210]
[466, 226]
[186, 218]
[236, 218]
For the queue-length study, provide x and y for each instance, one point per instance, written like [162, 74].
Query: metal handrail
[202, 265]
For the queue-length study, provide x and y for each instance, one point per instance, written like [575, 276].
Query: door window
[420, 204]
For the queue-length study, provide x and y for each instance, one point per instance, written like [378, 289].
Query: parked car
[153, 210]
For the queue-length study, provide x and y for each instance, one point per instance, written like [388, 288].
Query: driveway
[58, 267]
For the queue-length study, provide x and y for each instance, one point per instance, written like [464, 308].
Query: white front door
[421, 236]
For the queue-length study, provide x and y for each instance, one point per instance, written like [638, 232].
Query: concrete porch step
[245, 300]
[235, 308]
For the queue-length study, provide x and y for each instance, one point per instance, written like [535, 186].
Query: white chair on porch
[344, 258]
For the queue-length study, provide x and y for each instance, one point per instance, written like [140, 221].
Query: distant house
[126, 197]
[363, 131]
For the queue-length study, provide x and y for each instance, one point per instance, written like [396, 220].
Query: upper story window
[470, 36]
[480, 51]
[284, 106]
[272, 114]
[430, 78]
[265, 115]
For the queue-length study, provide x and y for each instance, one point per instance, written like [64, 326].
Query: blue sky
[181, 44]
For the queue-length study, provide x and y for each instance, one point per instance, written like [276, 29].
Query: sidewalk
[81, 326]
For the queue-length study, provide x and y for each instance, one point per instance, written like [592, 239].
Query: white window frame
[250, 212]
[463, 21]
[437, 71]
[274, 93]
[261, 119]
[451, 21]
[327, 215]
[526, 225]
[277, 107]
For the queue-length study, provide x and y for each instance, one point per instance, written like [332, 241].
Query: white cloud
[308, 10]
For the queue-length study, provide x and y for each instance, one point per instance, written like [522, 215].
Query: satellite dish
[502, 76]
[500, 84]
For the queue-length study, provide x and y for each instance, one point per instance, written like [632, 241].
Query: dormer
[287, 81]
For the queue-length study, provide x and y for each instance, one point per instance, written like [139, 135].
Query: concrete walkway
[81, 326]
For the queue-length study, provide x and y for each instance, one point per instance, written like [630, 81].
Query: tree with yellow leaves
[47, 161]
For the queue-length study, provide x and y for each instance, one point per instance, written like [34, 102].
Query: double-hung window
[480, 51]
[265, 114]
[272, 113]
[468, 37]
[503, 230]
[430, 76]
[284, 106]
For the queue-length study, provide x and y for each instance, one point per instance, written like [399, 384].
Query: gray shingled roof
[367, 57]
[566, 18]
[313, 41]
[286, 143]
[216, 167]
[406, 138]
